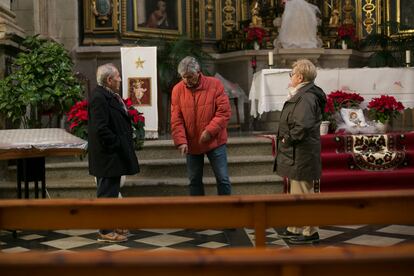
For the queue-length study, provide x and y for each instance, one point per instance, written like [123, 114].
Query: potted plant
[335, 101]
[255, 37]
[77, 118]
[383, 109]
[347, 37]
[42, 83]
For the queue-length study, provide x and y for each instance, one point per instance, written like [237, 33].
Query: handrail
[258, 212]
[348, 260]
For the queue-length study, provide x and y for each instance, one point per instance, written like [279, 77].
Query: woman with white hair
[298, 156]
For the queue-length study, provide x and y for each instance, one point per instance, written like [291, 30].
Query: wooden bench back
[258, 212]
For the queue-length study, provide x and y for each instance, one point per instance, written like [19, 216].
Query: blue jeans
[218, 162]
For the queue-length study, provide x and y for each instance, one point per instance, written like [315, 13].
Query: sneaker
[287, 235]
[123, 232]
[111, 237]
[305, 239]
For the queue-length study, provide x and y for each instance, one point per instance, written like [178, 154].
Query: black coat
[110, 145]
[298, 144]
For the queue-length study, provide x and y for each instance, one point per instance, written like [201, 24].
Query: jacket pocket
[287, 155]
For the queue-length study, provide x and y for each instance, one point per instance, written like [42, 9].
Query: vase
[344, 45]
[324, 127]
[382, 127]
[256, 45]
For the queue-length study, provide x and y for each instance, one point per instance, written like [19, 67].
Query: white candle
[270, 58]
[408, 56]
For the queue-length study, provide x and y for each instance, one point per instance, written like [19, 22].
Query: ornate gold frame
[396, 4]
[145, 30]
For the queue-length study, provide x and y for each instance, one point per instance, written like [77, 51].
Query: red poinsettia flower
[78, 119]
[384, 108]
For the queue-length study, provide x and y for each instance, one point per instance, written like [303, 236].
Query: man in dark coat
[110, 146]
[298, 141]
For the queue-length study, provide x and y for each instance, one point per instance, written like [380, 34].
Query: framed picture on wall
[139, 91]
[401, 11]
[158, 16]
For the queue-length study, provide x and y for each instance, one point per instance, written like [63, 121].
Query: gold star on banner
[139, 63]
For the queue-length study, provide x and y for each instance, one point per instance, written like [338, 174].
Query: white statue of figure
[299, 26]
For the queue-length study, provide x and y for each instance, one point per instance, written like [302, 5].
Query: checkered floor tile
[178, 239]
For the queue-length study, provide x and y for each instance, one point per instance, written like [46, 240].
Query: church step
[165, 149]
[141, 186]
[238, 166]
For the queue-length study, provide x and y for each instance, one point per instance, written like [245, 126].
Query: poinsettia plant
[137, 122]
[348, 34]
[77, 118]
[384, 108]
[341, 99]
[335, 101]
[255, 34]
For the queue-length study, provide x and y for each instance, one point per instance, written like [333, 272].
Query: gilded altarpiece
[100, 22]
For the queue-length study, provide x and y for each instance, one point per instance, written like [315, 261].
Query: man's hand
[205, 137]
[183, 149]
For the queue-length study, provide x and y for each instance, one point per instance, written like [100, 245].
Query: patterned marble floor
[176, 239]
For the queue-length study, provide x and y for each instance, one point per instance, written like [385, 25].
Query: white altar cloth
[269, 87]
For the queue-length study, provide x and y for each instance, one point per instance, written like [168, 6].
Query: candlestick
[270, 58]
[408, 57]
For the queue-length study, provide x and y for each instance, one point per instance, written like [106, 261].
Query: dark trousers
[107, 187]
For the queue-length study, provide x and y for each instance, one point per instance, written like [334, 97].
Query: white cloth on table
[268, 89]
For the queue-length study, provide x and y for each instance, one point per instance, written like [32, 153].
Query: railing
[346, 261]
[258, 212]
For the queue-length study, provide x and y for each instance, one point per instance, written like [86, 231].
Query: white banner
[139, 82]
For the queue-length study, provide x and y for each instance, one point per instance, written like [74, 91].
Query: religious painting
[139, 91]
[158, 16]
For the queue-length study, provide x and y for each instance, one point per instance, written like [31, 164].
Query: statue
[334, 20]
[348, 9]
[299, 26]
[256, 19]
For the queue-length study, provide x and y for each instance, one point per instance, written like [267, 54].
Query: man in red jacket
[200, 111]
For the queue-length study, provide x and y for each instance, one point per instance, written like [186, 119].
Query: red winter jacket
[192, 111]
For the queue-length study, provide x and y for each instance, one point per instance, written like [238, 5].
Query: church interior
[363, 51]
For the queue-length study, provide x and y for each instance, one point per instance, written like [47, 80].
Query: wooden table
[30, 147]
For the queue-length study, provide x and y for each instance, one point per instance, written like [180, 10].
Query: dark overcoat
[298, 137]
[110, 146]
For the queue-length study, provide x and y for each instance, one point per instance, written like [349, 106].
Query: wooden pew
[258, 212]
[343, 261]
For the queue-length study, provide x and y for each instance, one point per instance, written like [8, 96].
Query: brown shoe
[123, 232]
[111, 237]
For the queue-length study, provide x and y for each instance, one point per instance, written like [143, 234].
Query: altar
[269, 86]
[30, 147]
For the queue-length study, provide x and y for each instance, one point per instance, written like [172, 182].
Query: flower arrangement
[255, 34]
[77, 118]
[347, 33]
[340, 99]
[137, 122]
[335, 101]
[384, 108]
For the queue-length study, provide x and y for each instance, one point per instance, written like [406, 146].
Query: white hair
[105, 71]
[188, 65]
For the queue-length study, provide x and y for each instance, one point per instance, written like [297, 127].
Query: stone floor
[178, 239]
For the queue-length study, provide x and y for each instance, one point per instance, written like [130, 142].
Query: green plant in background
[42, 83]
